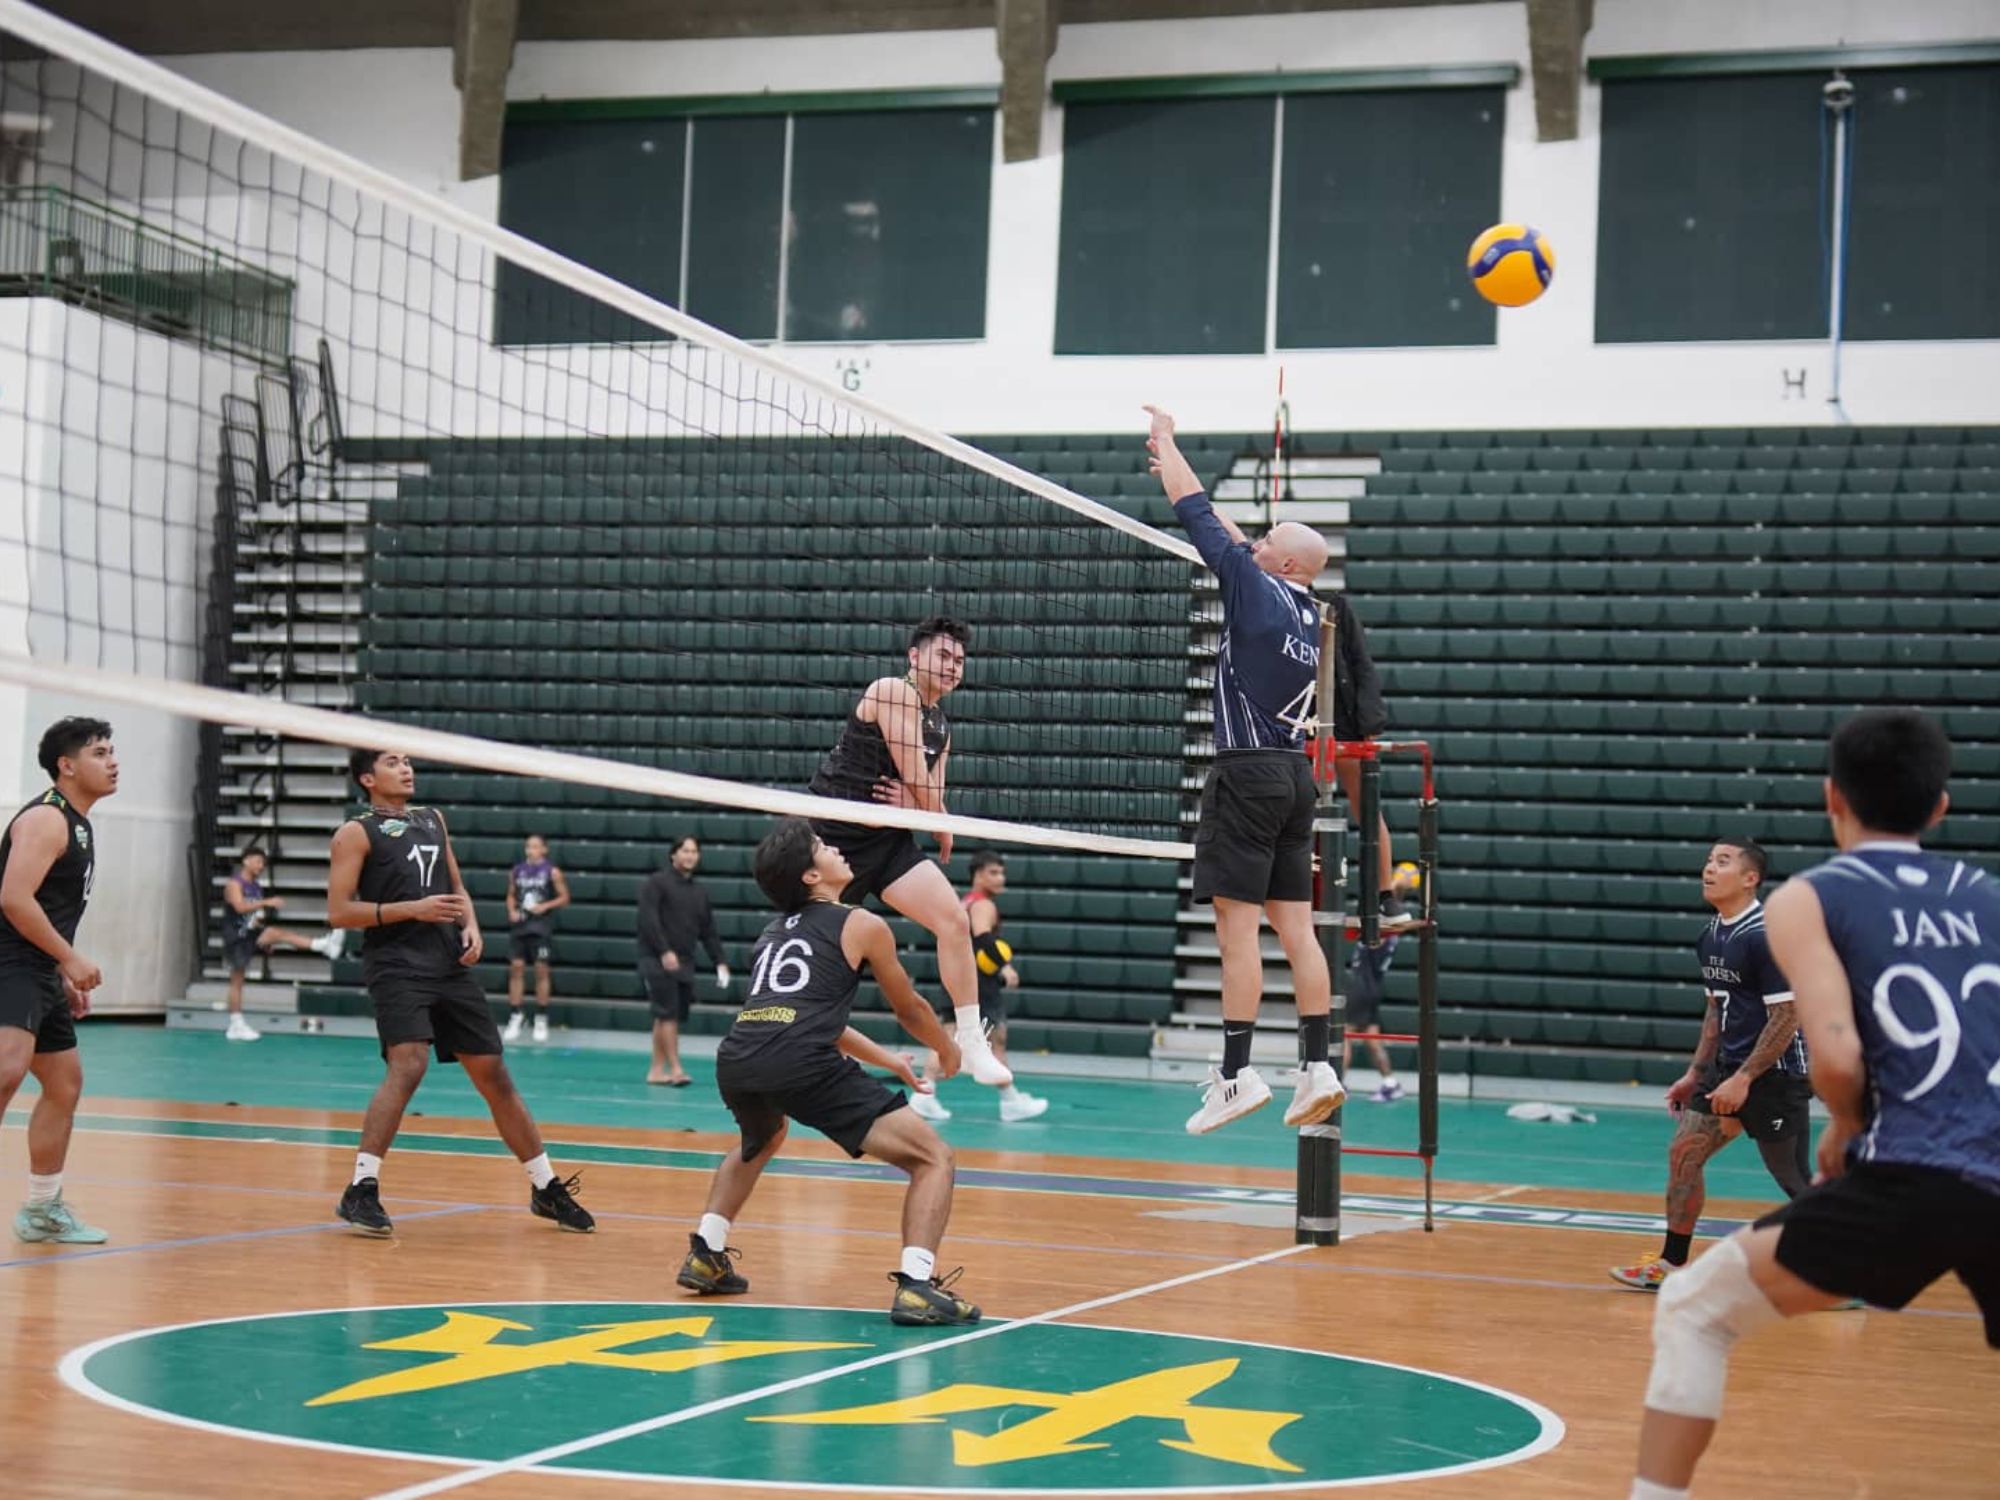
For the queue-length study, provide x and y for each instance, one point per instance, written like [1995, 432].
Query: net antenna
[630, 540]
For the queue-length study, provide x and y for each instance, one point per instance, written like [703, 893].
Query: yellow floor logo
[825, 1397]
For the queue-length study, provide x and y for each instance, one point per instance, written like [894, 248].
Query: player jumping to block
[792, 1056]
[1894, 958]
[1253, 843]
[895, 748]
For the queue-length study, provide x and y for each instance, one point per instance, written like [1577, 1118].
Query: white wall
[397, 109]
[107, 439]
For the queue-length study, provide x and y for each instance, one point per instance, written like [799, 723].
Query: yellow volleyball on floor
[1511, 264]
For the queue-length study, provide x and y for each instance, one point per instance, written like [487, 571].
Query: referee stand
[1321, 1146]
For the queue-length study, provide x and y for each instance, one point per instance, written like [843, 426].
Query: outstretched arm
[870, 1053]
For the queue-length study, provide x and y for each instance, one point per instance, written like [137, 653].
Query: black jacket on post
[1358, 710]
[674, 914]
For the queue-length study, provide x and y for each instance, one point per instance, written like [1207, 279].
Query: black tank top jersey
[860, 757]
[64, 890]
[406, 862]
[801, 989]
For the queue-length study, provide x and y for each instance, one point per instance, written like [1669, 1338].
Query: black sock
[1678, 1246]
[1236, 1046]
[1313, 1032]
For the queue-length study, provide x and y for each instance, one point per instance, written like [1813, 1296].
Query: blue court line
[996, 1179]
[63, 1257]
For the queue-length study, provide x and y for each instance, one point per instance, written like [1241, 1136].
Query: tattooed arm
[1781, 1024]
[1683, 1088]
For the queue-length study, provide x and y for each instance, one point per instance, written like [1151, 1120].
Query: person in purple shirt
[1253, 843]
[536, 891]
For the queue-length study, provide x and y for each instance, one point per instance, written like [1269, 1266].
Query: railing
[54, 244]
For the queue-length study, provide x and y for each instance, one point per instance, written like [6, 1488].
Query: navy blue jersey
[534, 883]
[240, 926]
[1919, 936]
[1267, 671]
[1740, 975]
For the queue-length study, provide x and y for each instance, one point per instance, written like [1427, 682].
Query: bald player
[1253, 845]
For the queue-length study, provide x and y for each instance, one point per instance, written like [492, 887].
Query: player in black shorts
[536, 890]
[675, 918]
[894, 749]
[1894, 958]
[48, 859]
[1748, 1076]
[394, 876]
[1253, 842]
[792, 1056]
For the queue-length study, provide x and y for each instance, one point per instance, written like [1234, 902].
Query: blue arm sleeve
[1228, 560]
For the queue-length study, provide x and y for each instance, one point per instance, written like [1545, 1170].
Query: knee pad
[1702, 1312]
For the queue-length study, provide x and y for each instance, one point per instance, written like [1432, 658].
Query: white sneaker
[329, 944]
[513, 1031]
[241, 1030]
[1319, 1094]
[1226, 1099]
[976, 1055]
[1020, 1106]
[927, 1106]
[541, 1028]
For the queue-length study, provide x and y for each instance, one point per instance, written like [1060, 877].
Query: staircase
[291, 533]
[1316, 491]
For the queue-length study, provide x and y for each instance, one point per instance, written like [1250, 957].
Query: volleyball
[989, 965]
[1511, 264]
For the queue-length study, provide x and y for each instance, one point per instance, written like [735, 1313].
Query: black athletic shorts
[1254, 838]
[33, 1000]
[240, 953]
[1884, 1232]
[1777, 1108]
[529, 946]
[1366, 971]
[672, 995]
[827, 1091]
[879, 857]
[450, 1012]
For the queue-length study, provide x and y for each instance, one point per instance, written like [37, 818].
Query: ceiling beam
[1556, 29]
[482, 54]
[1026, 30]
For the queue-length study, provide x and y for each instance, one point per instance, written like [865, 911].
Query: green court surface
[1110, 1119]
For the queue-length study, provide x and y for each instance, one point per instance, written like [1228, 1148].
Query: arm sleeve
[652, 931]
[1228, 560]
[710, 938]
[1771, 981]
[987, 946]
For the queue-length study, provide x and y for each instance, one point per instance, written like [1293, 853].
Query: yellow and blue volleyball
[985, 957]
[1511, 265]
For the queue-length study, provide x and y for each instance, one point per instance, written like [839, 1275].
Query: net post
[1318, 1187]
[1427, 1016]
[1368, 817]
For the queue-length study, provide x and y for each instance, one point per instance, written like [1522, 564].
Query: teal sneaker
[54, 1223]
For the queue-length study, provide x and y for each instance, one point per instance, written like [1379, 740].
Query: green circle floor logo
[812, 1398]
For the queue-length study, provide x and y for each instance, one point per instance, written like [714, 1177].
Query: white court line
[673, 1418]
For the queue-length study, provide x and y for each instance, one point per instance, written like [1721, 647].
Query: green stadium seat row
[1829, 462]
[1439, 719]
[1407, 506]
[1570, 820]
[1669, 438]
[764, 719]
[1086, 613]
[1393, 646]
[1064, 588]
[734, 495]
[853, 652]
[1725, 545]
[1625, 787]
[1692, 492]
[1059, 548]
[1149, 691]
[1844, 615]
[1767, 684]
[1793, 579]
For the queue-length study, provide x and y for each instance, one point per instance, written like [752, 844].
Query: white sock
[367, 1166]
[714, 1232]
[918, 1264]
[1388, 1080]
[44, 1190]
[966, 1017]
[540, 1173]
[1645, 1489]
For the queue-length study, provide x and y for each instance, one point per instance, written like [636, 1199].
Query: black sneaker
[361, 1206]
[1394, 913]
[709, 1272]
[929, 1304]
[555, 1202]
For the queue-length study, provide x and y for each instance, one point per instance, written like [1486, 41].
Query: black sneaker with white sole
[361, 1207]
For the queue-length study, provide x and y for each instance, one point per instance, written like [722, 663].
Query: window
[884, 235]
